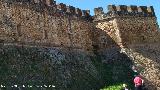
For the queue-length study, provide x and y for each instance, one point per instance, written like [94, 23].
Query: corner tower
[128, 24]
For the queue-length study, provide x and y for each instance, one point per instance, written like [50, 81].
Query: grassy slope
[115, 74]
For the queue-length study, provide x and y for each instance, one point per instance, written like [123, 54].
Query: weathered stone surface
[39, 66]
[110, 28]
[23, 24]
[138, 30]
[147, 60]
[47, 43]
[137, 34]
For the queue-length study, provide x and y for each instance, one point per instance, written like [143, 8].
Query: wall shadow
[147, 56]
[114, 66]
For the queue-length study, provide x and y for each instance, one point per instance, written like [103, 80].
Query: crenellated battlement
[50, 5]
[132, 10]
[123, 10]
[113, 10]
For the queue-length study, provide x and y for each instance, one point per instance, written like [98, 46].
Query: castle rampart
[135, 30]
[52, 5]
[45, 23]
[138, 24]
[123, 11]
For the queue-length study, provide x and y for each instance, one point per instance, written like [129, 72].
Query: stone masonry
[44, 23]
[54, 28]
[135, 30]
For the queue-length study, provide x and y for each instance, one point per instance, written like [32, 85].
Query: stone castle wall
[110, 28]
[138, 30]
[38, 23]
[128, 24]
[147, 62]
[135, 31]
[44, 23]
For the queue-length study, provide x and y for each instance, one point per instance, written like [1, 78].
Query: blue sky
[91, 4]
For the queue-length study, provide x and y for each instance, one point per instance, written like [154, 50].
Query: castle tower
[127, 24]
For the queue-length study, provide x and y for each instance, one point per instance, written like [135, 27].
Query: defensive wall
[135, 30]
[128, 24]
[38, 22]
[64, 39]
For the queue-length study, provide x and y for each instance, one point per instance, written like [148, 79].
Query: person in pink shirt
[138, 81]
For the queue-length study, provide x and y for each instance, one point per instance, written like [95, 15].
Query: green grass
[113, 87]
[119, 69]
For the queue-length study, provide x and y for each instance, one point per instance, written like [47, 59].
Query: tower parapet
[132, 10]
[123, 10]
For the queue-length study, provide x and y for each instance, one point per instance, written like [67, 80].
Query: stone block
[58, 6]
[118, 8]
[86, 13]
[112, 8]
[134, 8]
[129, 9]
[151, 11]
[123, 8]
[70, 9]
[61, 6]
[139, 9]
[98, 11]
[49, 2]
[144, 9]
[78, 12]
